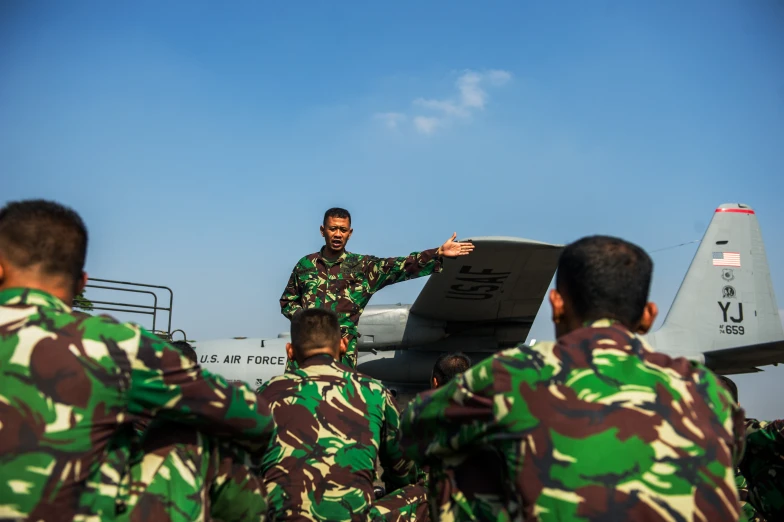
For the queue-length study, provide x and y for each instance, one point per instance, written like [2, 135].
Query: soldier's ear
[322, 229]
[81, 283]
[556, 305]
[343, 346]
[649, 314]
[290, 351]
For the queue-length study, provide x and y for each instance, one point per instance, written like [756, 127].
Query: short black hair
[337, 212]
[450, 364]
[605, 277]
[314, 328]
[187, 350]
[730, 385]
[45, 233]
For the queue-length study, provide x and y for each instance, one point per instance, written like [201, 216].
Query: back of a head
[43, 236]
[337, 212]
[605, 277]
[187, 350]
[448, 365]
[314, 329]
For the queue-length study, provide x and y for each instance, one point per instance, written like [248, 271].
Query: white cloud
[426, 125]
[447, 107]
[391, 119]
[498, 77]
[471, 94]
[471, 97]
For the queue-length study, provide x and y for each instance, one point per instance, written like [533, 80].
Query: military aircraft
[724, 314]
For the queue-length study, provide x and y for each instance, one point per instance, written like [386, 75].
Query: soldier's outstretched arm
[399, 471]
[392, 270]
[460, 414]
[290, 301]
[387, 271]
[164, 383]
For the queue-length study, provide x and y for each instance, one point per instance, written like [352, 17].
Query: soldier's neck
[331, 255]
[329, 354]
[49, 285]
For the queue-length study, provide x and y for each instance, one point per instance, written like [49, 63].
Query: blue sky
[202, 142]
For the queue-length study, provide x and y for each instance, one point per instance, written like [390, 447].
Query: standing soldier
[74, 387]
[344, 282]
[331, 424]
[595, 425]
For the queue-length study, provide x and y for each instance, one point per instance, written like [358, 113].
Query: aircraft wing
[745, 359]
[489, 298]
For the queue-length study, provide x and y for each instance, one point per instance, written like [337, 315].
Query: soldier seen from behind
[331, 424]
[464, 486]
[73, 387]
[596, 425]
[447, 366]
[342, 281]
[760, 476]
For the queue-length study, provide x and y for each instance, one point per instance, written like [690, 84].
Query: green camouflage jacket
[331, 423]
[593, 426]
[73, 386]
[763, 467]
[743, 492]
[347, 284]
[468, 486]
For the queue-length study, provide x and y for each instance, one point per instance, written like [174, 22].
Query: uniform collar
[32, 296]
[605, 322]
[614, 324]
[340, 258]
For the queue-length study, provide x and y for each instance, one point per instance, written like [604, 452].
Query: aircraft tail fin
[725, 311]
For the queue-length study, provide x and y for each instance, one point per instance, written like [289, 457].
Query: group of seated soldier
[102, 420]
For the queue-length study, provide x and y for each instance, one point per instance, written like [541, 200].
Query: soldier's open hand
[454, 248]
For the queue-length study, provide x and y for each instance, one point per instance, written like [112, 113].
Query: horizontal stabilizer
[745, 359]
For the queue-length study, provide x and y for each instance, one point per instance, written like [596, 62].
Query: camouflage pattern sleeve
[167, 384]
[290, 301]
[398, 470]
[383, 272]
[440, 422]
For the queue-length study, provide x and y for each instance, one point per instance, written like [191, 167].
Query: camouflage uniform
[468, 487]
[595, 426]
[743, 493]
[763, 468]
[331, 423]
[346, 284]
[76, 391]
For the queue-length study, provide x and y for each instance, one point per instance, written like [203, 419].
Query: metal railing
[133, 308]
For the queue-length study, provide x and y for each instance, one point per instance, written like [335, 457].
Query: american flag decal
[726, 259]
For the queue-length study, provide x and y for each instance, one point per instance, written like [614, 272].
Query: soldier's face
[336, 233]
